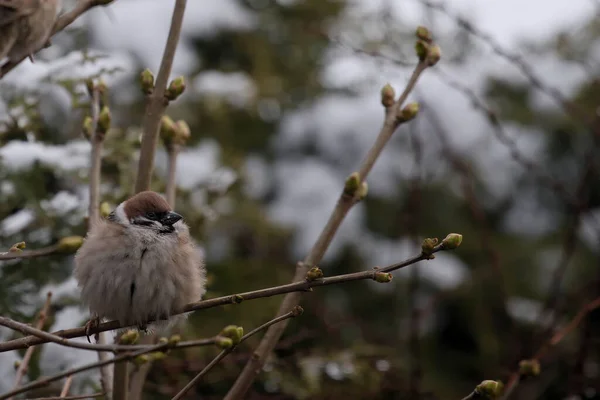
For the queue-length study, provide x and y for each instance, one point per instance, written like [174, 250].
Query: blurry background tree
[282, 102]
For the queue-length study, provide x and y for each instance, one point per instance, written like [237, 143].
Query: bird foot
[94, 322]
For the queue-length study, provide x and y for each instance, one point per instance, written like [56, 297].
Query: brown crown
[144, 202]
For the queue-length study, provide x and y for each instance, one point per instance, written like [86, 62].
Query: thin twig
[82, 396]
[120, 377]
[157, 103]
[21, 255]
[577, 114]
[295, 312]
[45, 381]
[172, 152]
[96, 159]
[66, 387]
[42, 316]
[61, 23]
[49, 337]
[554, 340]
[301, 286]
[97, 140]
[344, 204]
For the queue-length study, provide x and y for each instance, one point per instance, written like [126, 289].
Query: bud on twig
[362, 192]
[141, 359]
[69, 244]
[233, 332]
[183, 132]
[104, 210]
[421, 48]
[314, 273]
[174, 339]
[157, 355]
[490, 389]
[104, 120]
[383, 277]
[298, 310]
[529, 368]
[147, 81]
[428, 246]
[168, 129]
[433, 55]
[17, 247]
[452, 241]
[88, 127]
[175, 89]
[224, 342]
[409, 112]
[388, 95]
[129, 337]
[423, 33]
[352, 184]
[163, 340]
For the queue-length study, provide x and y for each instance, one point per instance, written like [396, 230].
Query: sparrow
[25, 26]
[139, 264]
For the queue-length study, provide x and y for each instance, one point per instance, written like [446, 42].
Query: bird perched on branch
[25, 26]
[140, 264]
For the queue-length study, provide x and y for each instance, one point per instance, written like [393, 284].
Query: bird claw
[94, 322]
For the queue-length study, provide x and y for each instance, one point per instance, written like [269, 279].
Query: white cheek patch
[120, 212]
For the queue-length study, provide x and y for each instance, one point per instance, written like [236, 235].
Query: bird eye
[151, 215]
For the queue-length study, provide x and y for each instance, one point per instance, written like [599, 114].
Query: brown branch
[96, 159]
[294, 313]
[27, 357]
[66, 387]
[83, 396]
[504, 138]
[172, 152]
[344, 204]
[61, 23]
[571, 109]
[301, 286]
[49, 337]
[157, 103]
[45, 381]
[554, 340]
[126, 356]
[97, 141]
[25, 254]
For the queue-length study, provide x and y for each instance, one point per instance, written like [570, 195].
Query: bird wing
[10, 10]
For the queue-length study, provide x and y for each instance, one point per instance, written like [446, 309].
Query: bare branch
[554, 340]
[302, 285]
[571, 109]
[97, 140]
[49, 337]
[66, 387]
[157, 102]
[42, 316]
[294, 313]
[25, 254]
[61, 23]
[83, 396]
[344, 204]
[172, 152]
[126, 356]
[45, 381]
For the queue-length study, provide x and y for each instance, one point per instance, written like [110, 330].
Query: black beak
[170, 218]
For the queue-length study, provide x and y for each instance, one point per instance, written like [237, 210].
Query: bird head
[146, 210]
